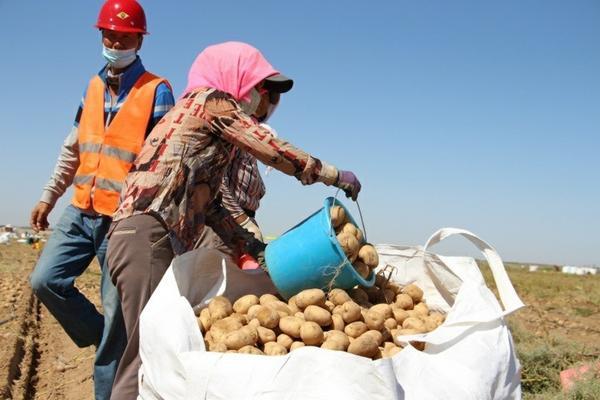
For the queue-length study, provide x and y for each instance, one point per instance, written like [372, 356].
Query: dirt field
[37, 359]
[559, 328]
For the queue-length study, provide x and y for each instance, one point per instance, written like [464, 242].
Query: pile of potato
[363, 256]
[361, 321]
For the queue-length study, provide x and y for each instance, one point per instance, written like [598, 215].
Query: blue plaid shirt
[68, 160]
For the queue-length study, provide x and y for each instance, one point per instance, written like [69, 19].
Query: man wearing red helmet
[120, 106]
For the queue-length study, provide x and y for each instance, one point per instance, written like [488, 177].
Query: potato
[365, 346]
[268, 317]
[285, 341]
[310, 297]
[350, 229]
[219, 308]
[204, 320]
[430, 324]
[378, 354]
[437, 317]
[338, 216]
[413, 314]
[279, 306]
[360, 236]
[337, 337]
[291, 326]
[292, 305]
[265, 335]
[252, 311]
[254, 323]
[242, 304]
[267, 298]
[375, 335]
[359, 295]
[296, 345]
[374, 319]
[414, 323]
[421, 309]
[349, 245]
[414, 292]
[329, 306]
[338, 296]
[250, 350]
[222, 327]
[331, 345]
[383, 309]
[318, 315]
[351, 312]
[404, 301]
[246, 336]
[242, 318]
[390, 323]
[275, 349]
[355, 329]
[337, 322]
[300, 315]
[311, 333]
[361, 268]
[208, 338]
[217, 347]
[391, 351]
[368, 255]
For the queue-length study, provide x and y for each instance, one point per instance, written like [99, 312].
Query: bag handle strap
[509, 297]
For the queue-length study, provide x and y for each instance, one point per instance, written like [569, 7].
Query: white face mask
[270, 110]
[251, 106]
[119, 58]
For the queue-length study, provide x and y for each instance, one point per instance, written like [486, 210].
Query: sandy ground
[37, 359]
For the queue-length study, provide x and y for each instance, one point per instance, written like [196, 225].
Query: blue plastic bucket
[309, 256]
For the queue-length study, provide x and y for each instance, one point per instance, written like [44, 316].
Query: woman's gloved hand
[251, 226]
[349, 183]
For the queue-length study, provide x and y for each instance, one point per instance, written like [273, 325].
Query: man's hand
[39, 216]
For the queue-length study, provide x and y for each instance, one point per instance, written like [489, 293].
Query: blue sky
[481, 115]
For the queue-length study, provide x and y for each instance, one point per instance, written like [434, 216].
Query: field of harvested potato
[560, 328]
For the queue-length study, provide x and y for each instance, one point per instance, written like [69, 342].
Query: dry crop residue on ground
[37, 359]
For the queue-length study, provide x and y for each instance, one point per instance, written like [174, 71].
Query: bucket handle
[362, 221]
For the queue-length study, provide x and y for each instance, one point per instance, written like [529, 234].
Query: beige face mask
[251, 106]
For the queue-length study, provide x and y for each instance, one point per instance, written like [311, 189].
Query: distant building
[533, 268]
[571, 269]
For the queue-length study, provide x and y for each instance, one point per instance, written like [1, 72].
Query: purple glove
[349, 183]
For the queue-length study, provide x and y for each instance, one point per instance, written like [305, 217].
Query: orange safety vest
[106, 154]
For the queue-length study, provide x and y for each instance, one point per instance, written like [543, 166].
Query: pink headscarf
[232, 67]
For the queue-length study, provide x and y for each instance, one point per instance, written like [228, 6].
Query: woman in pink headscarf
[172, 190]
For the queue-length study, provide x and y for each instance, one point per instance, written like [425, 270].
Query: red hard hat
[122, 16]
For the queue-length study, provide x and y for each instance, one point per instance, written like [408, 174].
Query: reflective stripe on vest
[106, 154]
[107, 150]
